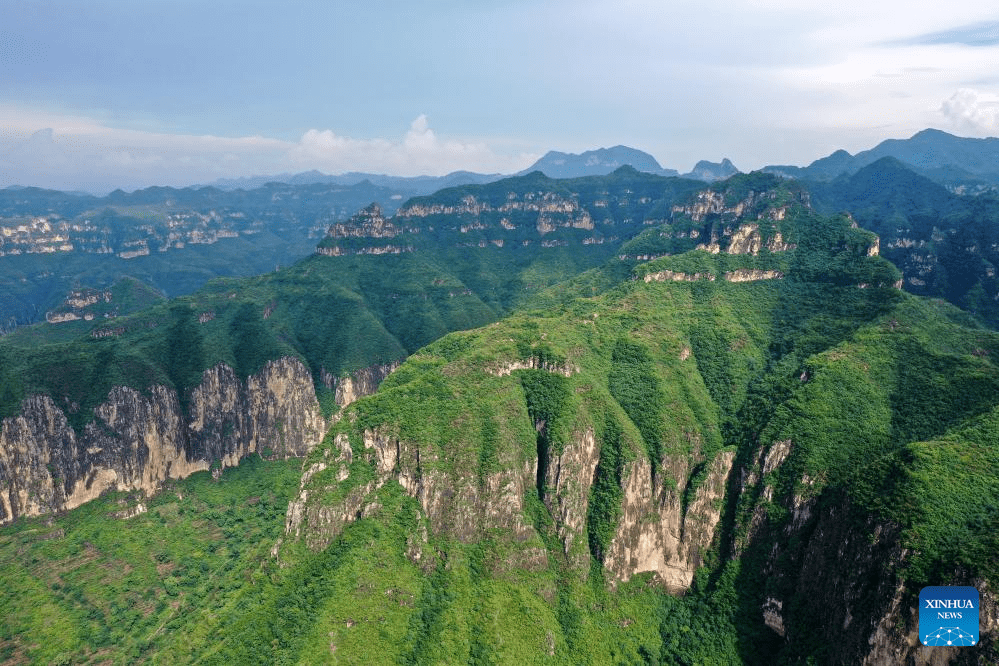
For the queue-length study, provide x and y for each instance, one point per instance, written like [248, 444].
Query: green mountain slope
[519, 477]
[127, 580]
[362, 301]
[946, 245]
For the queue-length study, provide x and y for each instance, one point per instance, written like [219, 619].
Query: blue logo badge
[948, 616]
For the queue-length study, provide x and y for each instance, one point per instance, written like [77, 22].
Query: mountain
[723, 436]
[598, 162]
[456, 259]
[934, 149]
[54, 242]
[553, 164]
[409, 185]
[753, 405]
[172, 239]
[946, 245]
[962, 164]
[712, 171]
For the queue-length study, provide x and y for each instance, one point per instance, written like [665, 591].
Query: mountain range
[962, 164]
[673, 423]
[965, 165]
[617, 418]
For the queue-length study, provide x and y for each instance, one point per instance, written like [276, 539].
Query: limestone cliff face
[755, 204]
[569, 478]
[674, 276]
[138, 440]
[538, 214]
[738, 275]
[367, 223]
[655, 533]
[835, 577]
[745, 224]
[842, 588]
[452, 499]
[360, 383]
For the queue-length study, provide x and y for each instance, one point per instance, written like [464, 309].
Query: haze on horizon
[109, 93]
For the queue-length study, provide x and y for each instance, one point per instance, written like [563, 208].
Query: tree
[252, 345]
[185, 355]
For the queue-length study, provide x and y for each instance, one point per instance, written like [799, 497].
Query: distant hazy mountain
[407, 186]
[554, 164]
[956, 162]
[598, 162]
[934, 149]
[712, 171]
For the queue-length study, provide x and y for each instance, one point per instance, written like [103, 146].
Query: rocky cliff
[473, 475]
[357, 384]
[836, 577]
[529, 211]
[843, 579]
[138, 440]
[655, 533]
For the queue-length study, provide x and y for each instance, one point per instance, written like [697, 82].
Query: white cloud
[419, 152]
[972, 111]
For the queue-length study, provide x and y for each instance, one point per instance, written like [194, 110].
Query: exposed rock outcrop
[841, 588]
[138, 440]
[452, 498]
[655, 533]
[835, 576]
[357, 384]
[674, 276]
[535, 363]
[569, 478]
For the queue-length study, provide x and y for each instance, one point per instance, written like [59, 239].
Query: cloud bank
[972, 111]
[76, 153]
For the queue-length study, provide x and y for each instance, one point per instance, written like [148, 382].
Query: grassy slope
[86, 587]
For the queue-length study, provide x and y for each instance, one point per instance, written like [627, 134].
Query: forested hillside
[946, 245]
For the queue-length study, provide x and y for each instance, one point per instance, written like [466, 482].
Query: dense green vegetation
[604, 509]
[88, 587]
[835, 361]
[949, 508]
[636, 387]
[331, 314]
[946, 245]
[339, 314]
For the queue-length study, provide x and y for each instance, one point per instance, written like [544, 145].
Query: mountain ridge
[961, 163]
[598, 162]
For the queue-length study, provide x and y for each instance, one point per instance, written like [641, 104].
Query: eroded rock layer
[138, 440]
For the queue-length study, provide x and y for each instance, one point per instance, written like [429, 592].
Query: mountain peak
[931, 133]
[599, 162]
[712, 171]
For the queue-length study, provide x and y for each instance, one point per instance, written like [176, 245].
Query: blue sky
[155, 92]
